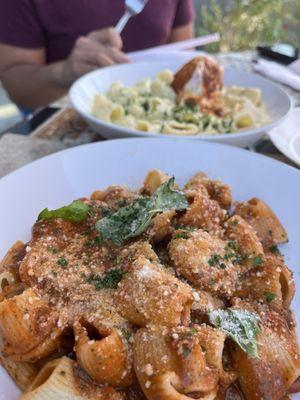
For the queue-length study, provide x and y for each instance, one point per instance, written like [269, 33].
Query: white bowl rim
[136, 133]
[132, 139]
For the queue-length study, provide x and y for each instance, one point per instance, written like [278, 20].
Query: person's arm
[182, 32]
[31, 83]
[183, 25]
[28, 81]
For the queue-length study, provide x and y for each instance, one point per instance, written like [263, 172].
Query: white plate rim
[172, 139]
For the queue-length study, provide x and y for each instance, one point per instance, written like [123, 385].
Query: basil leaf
[126, 222]
[167, 198]
[76, 211]
[239, 325]
[133, 220]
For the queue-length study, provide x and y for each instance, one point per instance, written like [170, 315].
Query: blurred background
[242, 24]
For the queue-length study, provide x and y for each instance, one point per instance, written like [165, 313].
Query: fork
[132, 8]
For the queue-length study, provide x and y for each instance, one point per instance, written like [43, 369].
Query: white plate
[159, 56]
[286, 136]
[82, 93]
[57, 179]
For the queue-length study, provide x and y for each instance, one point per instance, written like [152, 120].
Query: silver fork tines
[132, 7]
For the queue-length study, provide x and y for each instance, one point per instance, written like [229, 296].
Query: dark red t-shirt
[55, 24]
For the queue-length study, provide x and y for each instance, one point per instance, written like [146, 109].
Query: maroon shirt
[55, 24]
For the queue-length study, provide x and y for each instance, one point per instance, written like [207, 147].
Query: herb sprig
[77, 211]
[133, 220]
[239, 325]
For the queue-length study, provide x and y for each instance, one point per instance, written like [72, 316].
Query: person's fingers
[95, 53]
[107, 36]
[117, 56]
[87, 52]
[104, 60]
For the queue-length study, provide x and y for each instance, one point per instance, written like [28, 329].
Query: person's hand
[98, 49]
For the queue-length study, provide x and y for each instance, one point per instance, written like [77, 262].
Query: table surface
[66, 129]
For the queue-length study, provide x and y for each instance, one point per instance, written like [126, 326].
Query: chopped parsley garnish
[269, 296]
[62, 262]
[232, 244]
[186, 351]
[146, 105]
[133, 220]
[77, 211]
[126, 333]
[230, 255]
[239, 325]
[234, 222]
[206, 121]
[109, 280]
[257, 261]
[191, 332]
[96, 241]
[227, 124]
[181, 235]
[53, 250]
[274, 249]
[214, 260]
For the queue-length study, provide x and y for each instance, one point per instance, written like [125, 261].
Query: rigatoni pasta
[156, 297]
[108, 359]
[277, 365]
[263, 220]
[22, 373]
[172, 365]
[159, 294]
[62, 379]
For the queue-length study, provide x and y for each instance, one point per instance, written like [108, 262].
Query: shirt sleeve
[185, 13]
[20, 25]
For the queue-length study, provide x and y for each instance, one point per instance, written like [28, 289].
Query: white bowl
[64, 176]
[83, 90]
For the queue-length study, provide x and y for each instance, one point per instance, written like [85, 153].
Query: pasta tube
[108, 359]
[61, 379]
[168, 300]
